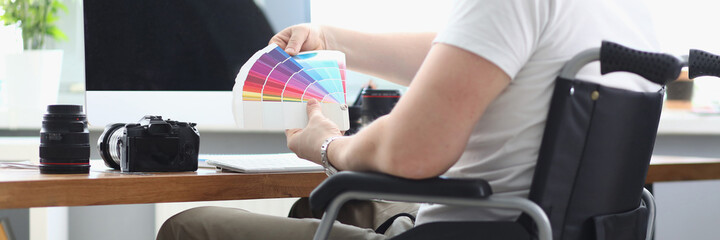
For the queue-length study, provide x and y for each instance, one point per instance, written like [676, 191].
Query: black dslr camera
[151, 145]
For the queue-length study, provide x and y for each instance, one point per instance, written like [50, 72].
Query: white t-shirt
[530, 41]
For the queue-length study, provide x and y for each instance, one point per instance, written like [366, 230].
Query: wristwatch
[329, 169]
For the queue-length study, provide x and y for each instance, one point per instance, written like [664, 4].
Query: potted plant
[36, 18]
[32, 76]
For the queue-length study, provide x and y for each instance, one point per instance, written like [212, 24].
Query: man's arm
[428, 129]
[391, 56]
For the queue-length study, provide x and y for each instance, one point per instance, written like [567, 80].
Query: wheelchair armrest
[383, 183]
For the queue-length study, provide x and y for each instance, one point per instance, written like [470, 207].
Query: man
[476, 106]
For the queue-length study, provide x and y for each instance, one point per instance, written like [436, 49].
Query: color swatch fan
[272, 89]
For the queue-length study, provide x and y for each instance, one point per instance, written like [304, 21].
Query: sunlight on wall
[680, 25]
[690, 24]
[381, 15]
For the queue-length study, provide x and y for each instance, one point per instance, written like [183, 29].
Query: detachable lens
[64, 140]
[110, 144]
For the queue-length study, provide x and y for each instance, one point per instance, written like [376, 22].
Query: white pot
[32, 82]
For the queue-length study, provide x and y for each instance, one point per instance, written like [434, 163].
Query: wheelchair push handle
[703, 63]
[659, 68]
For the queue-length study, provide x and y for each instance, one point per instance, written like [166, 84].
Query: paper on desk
[18, 165]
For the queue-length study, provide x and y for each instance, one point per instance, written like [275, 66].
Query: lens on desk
[64, 140]
[376, 103]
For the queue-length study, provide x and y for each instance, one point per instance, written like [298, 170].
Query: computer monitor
[173, 58]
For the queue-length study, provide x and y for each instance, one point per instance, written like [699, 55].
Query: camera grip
[659, 68]
[703, 63]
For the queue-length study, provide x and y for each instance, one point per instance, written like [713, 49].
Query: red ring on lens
[80, 163]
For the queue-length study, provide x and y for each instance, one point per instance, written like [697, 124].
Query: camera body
[369, 105]
[376, 103]
[151, 145]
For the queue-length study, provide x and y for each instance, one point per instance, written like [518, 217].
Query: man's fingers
[281, 38]
[313, 37]
[297, 39]
[313, 108]
[290, 132]
[279, 41]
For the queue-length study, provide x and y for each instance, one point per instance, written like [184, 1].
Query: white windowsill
[672, 122]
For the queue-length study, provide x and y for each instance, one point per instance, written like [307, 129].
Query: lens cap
[64, 109]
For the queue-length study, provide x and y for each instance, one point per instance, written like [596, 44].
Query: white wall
[687, 210]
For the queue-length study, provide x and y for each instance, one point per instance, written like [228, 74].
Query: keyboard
[260, 163]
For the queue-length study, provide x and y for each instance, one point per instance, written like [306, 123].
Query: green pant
[356, 220]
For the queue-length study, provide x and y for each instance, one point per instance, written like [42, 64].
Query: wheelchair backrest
[597, 145]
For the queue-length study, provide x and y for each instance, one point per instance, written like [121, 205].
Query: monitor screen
[177, 58]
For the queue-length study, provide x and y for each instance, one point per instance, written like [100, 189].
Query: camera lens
[110, 144]
[376, 103]
[64, 140]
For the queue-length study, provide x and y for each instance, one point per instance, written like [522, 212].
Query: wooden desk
[668, 169]
[28, 188]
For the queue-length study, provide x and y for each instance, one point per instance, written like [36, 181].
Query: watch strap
[329, 169]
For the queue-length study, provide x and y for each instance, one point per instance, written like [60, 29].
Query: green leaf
[9, 20]
[51, 18]
[60, 5]
[55, 33]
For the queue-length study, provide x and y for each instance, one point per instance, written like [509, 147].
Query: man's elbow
[417, 167]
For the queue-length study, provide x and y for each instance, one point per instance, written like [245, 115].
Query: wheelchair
[590, 174]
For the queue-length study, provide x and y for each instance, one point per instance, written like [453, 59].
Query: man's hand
[306, 142]
[301, 37]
